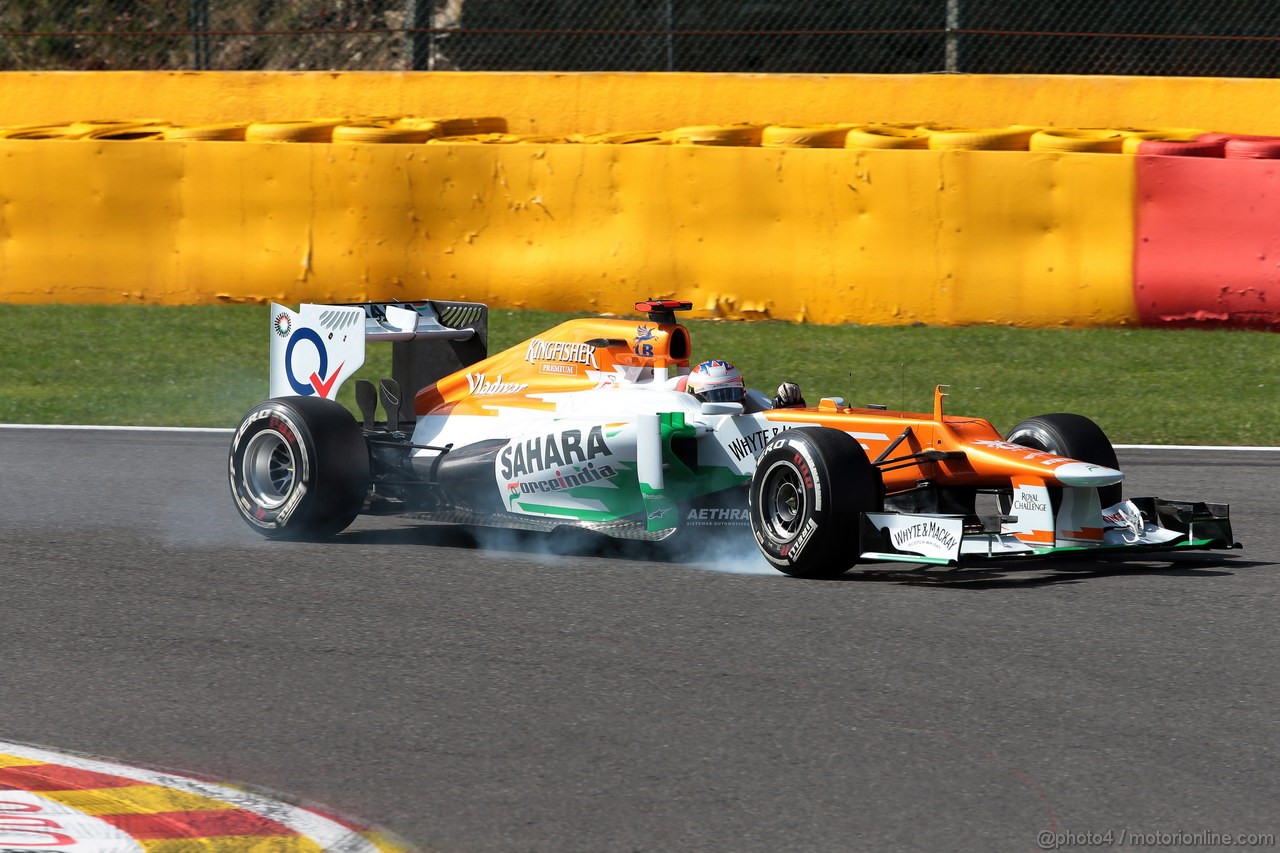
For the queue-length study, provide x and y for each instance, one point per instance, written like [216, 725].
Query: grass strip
[206, 365]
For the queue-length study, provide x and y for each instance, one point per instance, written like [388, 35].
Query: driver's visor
[724, 394]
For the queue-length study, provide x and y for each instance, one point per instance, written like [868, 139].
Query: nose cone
[1084, 474]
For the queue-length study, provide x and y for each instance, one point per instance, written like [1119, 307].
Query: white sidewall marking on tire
[814, 482]
[297, 450]
[803, 539]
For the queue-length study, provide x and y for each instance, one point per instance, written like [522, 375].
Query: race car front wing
[1137, 524]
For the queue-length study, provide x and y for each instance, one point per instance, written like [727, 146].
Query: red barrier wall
[1207, 241]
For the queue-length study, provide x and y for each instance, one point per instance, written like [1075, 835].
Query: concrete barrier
[1207, 247]
[827, 235]
[823, 235]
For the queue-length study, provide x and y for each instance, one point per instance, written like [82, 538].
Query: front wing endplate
[952, 540]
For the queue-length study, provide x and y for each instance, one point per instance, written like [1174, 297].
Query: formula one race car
[590, 425]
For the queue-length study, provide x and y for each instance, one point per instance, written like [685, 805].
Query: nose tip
[1084, 474]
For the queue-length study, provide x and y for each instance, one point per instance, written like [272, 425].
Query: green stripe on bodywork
[568, 512]
[620, 500]
[1194, 544]
[682, 482]
[659, 505]
[908, 558]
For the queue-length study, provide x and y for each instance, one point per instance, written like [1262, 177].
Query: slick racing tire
[807, 493]
[299, 468]
[1070, 435]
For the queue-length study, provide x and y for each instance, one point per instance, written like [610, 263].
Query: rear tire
[806, 497]
[299, 468]
[1074, 436]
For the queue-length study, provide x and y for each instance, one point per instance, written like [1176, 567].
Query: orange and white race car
[590, 425]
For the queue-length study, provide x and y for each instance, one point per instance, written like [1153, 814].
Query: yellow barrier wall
[825, 235]
[541, 102]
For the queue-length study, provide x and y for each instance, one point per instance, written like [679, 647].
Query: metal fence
[1230, 38]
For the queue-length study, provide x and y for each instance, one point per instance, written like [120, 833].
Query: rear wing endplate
[317, 348]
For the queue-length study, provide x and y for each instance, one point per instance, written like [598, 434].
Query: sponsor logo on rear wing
[317, 348]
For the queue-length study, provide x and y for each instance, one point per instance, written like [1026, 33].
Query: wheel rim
[269, 469]
[782, 501]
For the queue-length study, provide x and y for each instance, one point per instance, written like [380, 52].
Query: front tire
[299, 468]
[806, 498]
[1074, 436]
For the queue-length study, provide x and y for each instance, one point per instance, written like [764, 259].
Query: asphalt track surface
[502, 699]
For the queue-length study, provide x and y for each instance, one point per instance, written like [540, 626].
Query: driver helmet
[717, 381]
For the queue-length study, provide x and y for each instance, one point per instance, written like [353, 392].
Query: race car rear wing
[317, 348]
